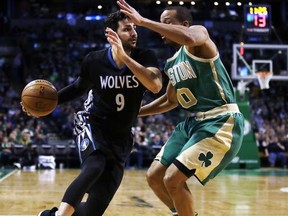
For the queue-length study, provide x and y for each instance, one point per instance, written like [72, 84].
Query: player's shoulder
[96, 54]
[94, 57]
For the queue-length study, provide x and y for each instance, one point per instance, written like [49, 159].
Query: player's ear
[186, 23]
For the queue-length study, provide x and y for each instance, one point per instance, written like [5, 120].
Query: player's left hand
[27, 113]
[130, 12]
[115, 42]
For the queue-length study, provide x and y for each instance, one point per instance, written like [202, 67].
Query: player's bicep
[156, 71]
[199, 35]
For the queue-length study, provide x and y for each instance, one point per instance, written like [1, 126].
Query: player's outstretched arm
[165, 103]
[192, 36]
[74, 90]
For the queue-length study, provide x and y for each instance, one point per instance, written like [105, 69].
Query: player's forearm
[177, 33]
[159, 105]
[67, 93]
[183, 35]
[150, 78]
[73, 91]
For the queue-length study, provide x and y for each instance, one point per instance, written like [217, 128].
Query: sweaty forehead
[168, 15]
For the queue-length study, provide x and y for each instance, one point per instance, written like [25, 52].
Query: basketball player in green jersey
[203, 144]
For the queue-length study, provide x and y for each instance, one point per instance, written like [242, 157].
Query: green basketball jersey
[201, 84]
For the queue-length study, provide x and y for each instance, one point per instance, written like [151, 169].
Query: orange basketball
[39, 98]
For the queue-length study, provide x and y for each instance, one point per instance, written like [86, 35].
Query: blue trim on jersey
[112, 60]
[92, 138]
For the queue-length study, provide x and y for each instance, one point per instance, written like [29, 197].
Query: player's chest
[114, 79]
[108, 78]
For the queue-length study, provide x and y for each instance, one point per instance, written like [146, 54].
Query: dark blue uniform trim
[112, 60]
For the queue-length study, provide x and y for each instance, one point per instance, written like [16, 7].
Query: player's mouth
[134, 41]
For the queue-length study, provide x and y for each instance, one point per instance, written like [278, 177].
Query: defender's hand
[130, 12]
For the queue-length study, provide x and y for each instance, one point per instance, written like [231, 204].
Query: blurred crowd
[54, 51]
[269, 110]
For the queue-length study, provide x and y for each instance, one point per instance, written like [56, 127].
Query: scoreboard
[257, 19]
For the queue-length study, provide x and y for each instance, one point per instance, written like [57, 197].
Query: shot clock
[257, 19]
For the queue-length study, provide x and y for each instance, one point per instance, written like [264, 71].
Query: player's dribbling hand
[25, 111]
[130, 12]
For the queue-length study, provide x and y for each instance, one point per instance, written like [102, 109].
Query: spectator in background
[14, 136]
[155, 143]
[29, 157]
[137, 152]
[6, 151]
[261, 143]
[26, 135]
[40, 134]
[275, 150]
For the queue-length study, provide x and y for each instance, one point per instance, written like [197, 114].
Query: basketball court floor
[233, 193]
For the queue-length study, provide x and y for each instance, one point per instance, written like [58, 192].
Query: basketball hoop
[264, 78]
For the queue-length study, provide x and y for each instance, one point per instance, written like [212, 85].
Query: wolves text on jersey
[118, 82]
[181, 71]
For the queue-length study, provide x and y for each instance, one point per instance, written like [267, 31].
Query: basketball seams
[38, 84]
[31, 108]
[35, 85]
[39, 98]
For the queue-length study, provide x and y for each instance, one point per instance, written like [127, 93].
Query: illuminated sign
[257, 19]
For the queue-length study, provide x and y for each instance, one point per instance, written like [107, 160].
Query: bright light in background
[284, 190]
[169, 2]
[181, 3]
[99, 7]
[227, 3]
[239, 3]
[216, 3]
[250, 3]
[158, 2]
[94, 17]
[193, 3]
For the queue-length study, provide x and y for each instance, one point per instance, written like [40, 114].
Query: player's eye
[168, 21]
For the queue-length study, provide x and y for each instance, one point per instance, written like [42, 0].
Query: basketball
[39, 98]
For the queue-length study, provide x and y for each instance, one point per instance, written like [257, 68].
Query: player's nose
[133, 32]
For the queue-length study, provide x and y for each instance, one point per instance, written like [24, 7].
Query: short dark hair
[112, 20]
[182, 13]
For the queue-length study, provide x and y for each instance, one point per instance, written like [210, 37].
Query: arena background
[47, 39]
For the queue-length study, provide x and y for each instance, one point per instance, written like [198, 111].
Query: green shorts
[206, 146]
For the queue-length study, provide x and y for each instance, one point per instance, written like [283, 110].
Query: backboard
[248, 59]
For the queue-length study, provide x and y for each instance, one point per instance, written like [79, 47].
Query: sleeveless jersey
[201, 84]
[114, 101]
